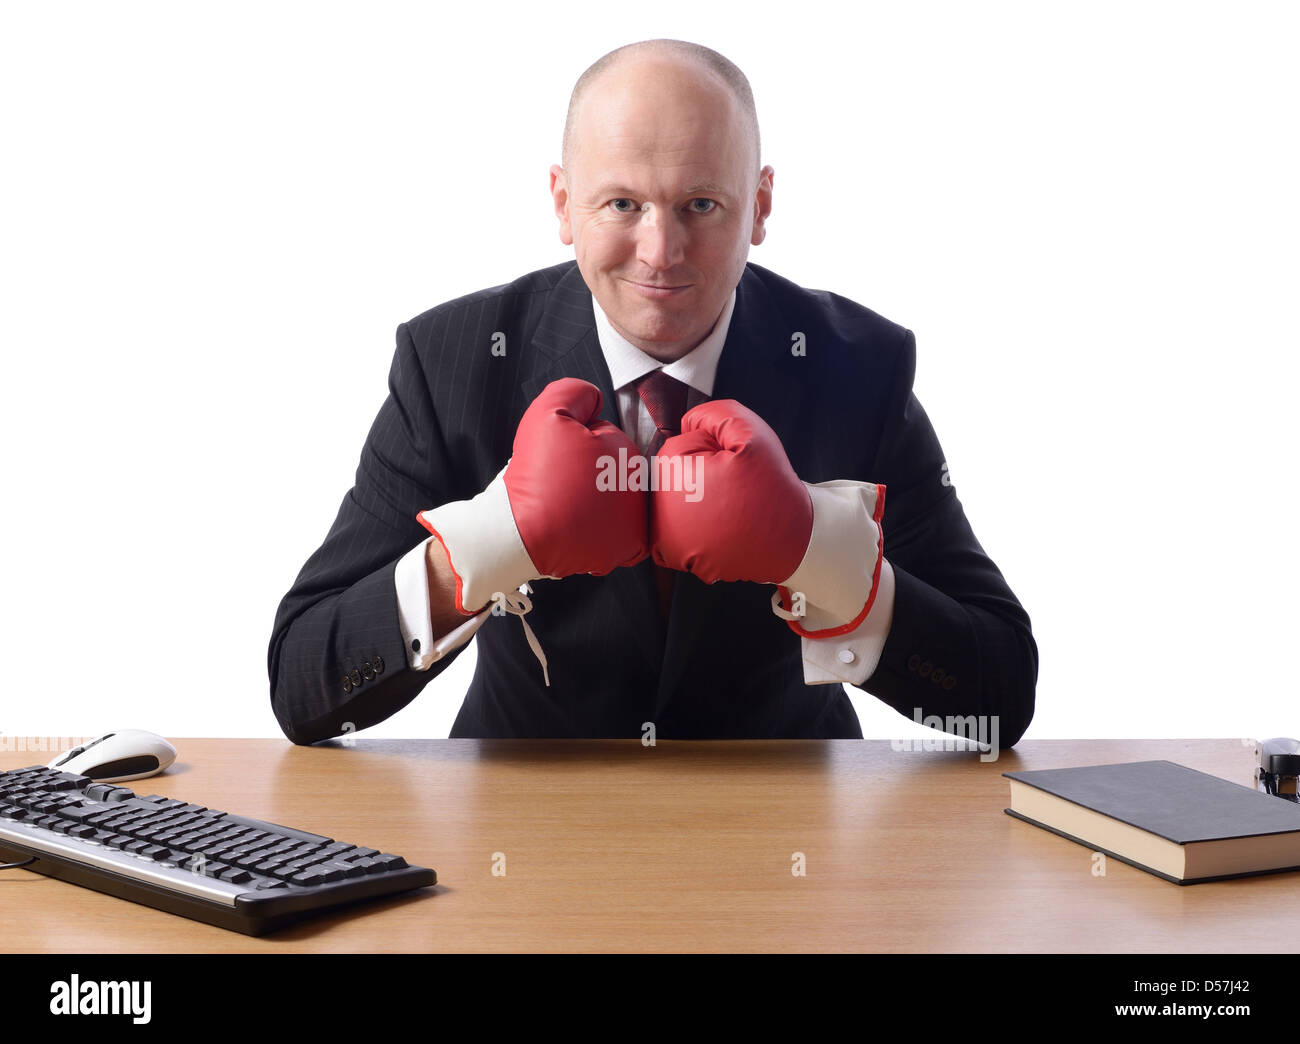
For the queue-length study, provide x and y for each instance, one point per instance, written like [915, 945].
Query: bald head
[660, 193]
[655, 67]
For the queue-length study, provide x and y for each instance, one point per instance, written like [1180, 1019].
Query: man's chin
[656, 334]
[666, 320]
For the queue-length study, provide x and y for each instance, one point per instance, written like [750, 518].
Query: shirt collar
[697, 368]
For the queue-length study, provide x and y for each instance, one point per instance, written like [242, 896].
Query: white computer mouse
[118, 756]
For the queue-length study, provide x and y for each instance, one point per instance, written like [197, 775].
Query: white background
[215, 216]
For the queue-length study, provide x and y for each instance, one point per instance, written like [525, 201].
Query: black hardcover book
[1170, 820]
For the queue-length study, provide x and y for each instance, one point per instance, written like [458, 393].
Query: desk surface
[612, 846]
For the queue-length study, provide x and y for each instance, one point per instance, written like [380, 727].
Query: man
[797, 529]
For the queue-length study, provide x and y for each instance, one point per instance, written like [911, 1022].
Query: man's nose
[661, 239]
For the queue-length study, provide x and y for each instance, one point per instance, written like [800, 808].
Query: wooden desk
[611, 846]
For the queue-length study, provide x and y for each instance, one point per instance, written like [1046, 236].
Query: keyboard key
[79, 813]
[67, 781]
[235, 875]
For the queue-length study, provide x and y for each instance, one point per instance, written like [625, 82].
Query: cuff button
[846, 656]
[355, 675]
[367, 671]
[347, 683]
[377, 662]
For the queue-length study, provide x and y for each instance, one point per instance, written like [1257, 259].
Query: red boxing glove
[748, 515]
[544, 515]
[741, 513]
[567, 524]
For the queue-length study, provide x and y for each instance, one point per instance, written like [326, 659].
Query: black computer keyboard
[231, 871]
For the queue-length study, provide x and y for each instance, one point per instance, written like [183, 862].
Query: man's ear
[762, 204]
[560, 197]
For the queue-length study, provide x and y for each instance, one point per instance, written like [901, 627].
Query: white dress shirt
[850, 657]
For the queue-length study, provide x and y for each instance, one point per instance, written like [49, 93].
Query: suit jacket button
[355, 676]
[367, 671]
[913, 662]
[378, 662]
[347, 683]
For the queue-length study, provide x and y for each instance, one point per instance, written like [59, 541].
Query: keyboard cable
[15, 866]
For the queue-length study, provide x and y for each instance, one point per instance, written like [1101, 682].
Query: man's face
[661, 201]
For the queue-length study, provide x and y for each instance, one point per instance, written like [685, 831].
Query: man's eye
[709, 205]
[615, 203]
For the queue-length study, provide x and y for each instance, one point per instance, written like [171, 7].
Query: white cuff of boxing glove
[483, 545]
[836, 583]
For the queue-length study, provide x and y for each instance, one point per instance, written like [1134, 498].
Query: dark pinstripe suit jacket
[724, 666]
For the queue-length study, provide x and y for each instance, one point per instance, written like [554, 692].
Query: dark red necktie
[665, 401]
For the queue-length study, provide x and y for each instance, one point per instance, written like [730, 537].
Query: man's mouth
[657, 291]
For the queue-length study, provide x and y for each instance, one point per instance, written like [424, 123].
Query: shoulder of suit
[820, 311]
[539, 282]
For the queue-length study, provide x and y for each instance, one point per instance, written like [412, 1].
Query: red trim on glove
[856, 622]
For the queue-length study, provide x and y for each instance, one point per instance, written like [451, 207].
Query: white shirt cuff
[411, 578]
[853, 657]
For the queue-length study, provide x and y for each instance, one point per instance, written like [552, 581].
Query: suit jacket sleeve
[960, 643]
[337, 661]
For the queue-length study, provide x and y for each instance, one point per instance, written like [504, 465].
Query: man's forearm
[444, 617]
